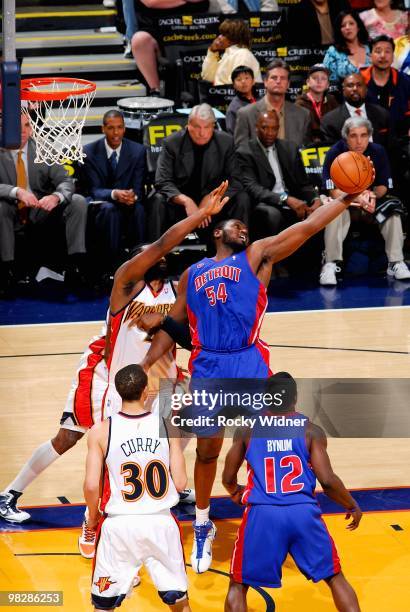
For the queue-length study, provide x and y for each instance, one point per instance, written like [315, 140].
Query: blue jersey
[226, 303]
[279, 471]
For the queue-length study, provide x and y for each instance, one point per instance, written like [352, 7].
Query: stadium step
[109, 65]
[108, 92]
[53, 3]
[35, 18]
[29, 44]
[93, 120]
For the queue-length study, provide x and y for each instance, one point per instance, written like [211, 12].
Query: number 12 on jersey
[286, 484]
[220, 294]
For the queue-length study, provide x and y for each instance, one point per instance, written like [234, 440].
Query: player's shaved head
[283, 384]
[130, 382]
[232, 233]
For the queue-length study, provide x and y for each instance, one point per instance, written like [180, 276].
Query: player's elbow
[90, 488]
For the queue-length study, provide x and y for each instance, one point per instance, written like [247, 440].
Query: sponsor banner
[300, 59]
[313, 158]
[220, 96]
[197, 29]
[159, 128]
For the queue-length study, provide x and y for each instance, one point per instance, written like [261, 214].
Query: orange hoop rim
[39, 96]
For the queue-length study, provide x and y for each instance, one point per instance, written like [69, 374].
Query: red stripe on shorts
[237, 555]
[82, 405]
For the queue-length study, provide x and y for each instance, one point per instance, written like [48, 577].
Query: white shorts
[129, 541]
[85, 398]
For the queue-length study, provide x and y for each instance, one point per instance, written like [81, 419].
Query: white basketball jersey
[129, 344]
[138, 466]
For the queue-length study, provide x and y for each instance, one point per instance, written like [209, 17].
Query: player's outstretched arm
[177, 464]
[276, 248]
[162, 342]
[331, 483]
[233, 461]
[93, 470]
[133, 270]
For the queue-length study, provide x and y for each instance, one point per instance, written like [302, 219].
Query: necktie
[22, 184]
[113, 162]
[358, 111]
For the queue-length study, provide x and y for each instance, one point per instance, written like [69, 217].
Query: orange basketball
[351, 172]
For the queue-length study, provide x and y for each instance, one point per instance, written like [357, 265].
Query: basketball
[351, 172]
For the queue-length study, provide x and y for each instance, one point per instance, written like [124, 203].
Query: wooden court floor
[37, 364]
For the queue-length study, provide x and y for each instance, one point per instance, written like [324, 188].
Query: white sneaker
[399, 270]
[86, 541]
[109, 3]
[328, 273]
[187, 496]
[8, 508]
[201, 556]
[128, 51]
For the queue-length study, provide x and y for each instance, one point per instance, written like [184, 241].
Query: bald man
[275, 179]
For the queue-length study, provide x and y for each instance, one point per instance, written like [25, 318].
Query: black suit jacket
[259, 180]
[97, 178]
[176, 163]
[332, 123]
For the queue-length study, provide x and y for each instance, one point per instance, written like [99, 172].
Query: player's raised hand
[356, 515]
[214, 202]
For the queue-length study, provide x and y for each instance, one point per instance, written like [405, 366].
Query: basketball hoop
[57, 108]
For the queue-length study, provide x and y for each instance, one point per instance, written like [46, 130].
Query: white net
[57, 124]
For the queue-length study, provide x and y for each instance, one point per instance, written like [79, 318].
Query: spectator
[316, 99]
[310, 22]
[275, 179]
[385, 85]
[354, 105]
[113, 175]
[192, 163]
[144, 43]
[402, 50]
[350, 51]
[245, 6]
[229, 50]
[383, 18]
[40, 195]
[131, 25]
[356, 134]
[243, 82]
[293, 120]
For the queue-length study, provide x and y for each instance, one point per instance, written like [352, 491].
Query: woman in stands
[383, 18]
[229, 50]
[350, 51]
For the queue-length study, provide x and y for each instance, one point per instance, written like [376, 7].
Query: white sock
[201, 515]
[42, 457]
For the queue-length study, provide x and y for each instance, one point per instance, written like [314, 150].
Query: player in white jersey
[145, 469]
[83, 406]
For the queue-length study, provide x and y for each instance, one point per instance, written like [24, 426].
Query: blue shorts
[268, 533]
[249, 362]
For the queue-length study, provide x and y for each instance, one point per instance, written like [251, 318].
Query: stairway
[77, 40]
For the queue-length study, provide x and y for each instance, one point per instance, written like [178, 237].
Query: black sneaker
[8, 508]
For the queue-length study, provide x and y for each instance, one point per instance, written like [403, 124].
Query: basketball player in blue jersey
[284, 458]
[224, 299]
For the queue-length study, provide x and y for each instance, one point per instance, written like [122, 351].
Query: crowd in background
[114, 203]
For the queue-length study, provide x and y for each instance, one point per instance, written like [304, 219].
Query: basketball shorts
[127, 542]
[249, 362]
[268, 533]
[84, 401]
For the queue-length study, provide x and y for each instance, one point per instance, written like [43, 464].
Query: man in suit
[275, 179]
[294, 121]
[354, 94]
[37, 194]
[192, 163]
[113, 175]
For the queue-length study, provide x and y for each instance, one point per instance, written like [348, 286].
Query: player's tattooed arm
[96, 445]
[233, 461]
[276, 248]
[162, 342]
[132, 271]
[330, 482]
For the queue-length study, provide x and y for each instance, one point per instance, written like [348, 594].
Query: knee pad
[172, 597]
[202, 459]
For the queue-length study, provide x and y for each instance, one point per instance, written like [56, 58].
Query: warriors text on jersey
[129, 344]
[226, 303]
[137, 460]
